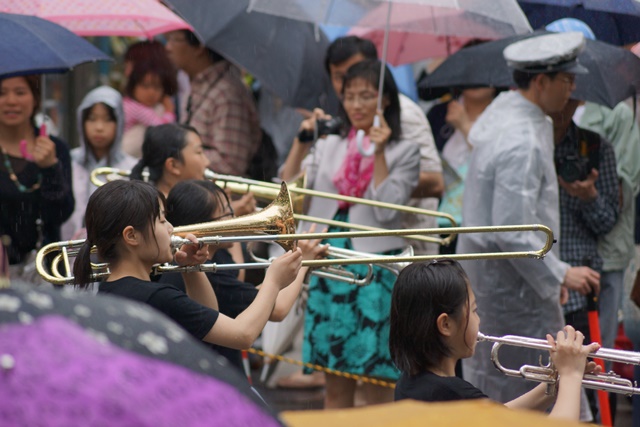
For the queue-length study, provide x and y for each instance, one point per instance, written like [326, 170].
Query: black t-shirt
[430, 387]
[192, 316]
[233, 297]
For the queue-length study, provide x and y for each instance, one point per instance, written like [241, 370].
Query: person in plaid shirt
[589, 204]
[220, 106]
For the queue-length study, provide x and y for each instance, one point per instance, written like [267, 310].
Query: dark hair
[111, 208]
[193, 40]
[422, 292]
[161, 67]
[160, 143]
[343, 48]
[194, 201]
[33, 81]
[523, 78]
[369, 70]
[85, 116]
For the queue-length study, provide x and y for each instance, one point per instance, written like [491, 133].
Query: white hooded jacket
[83, 160]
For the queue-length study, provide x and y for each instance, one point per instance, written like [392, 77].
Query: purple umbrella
[54, 373]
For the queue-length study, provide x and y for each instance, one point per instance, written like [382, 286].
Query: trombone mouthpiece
[209, 174]
[481, 337]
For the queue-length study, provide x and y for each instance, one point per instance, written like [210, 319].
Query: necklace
[14, 177]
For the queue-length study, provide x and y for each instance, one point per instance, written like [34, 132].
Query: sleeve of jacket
[57, 195]
[518, 183]
[404, 172]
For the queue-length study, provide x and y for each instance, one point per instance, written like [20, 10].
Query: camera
[573, 167]
[323, 128]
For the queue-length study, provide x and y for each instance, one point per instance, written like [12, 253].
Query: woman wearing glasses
[347, 327]
[193, 202]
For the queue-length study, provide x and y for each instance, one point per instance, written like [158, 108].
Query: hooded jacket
[83, 160]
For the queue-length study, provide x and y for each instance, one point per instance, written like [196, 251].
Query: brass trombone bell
[548, 374]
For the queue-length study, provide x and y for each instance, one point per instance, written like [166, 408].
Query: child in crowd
[126, 223]
[434, 323]
[151, 82]
[100, 124]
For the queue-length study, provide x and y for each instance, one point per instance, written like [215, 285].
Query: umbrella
[30, 45]
[286, 56]
[409, 413]
[479, 18]
[616, 22]
[55, 373]
[127, 324]
[465, 69]
[139, 18]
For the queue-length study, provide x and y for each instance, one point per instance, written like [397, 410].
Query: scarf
[354, 175]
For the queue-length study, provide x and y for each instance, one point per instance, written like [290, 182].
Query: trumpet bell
[277, 218]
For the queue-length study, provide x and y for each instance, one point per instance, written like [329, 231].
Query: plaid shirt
[224, 113]
[581, 222]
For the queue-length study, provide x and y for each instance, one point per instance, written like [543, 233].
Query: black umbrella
[614, 73]
[126, 324]
[285, 55]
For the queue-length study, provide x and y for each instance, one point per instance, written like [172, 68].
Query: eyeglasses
[363, 98]
[229, 213]
[570, 80]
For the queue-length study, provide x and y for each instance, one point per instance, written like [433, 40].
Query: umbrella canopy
[30, 45]
[286, 56]
[616, 22]
[139, 18]
[478, 18]
[127, 324]
[484, 65]
[55, 373]
[409, 413]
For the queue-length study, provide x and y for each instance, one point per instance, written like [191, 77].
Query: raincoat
[511, 181]
[83, 160]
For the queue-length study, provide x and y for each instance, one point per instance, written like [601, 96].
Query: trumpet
[268, 191]
[275, 223]
[609, 381]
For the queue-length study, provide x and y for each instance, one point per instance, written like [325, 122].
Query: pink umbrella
[139, 18]
[406, 48]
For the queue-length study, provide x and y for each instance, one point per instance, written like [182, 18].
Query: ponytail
[82, 266]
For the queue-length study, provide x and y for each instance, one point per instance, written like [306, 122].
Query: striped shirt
[223, 111]
[137, 114]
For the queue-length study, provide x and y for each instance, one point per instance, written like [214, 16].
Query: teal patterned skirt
[347, 326]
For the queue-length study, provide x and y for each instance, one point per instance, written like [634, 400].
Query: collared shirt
[582, 222]
[224, 113]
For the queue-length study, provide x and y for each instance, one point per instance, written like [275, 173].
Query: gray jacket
[403, 161]
[83, 161]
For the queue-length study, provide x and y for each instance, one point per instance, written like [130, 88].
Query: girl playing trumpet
[434, 323]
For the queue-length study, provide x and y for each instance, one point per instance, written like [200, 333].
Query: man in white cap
[511, 181]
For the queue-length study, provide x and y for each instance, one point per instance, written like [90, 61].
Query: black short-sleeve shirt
[430, 387]
[192, 316]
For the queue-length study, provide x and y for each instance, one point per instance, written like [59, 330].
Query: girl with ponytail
[126, 223]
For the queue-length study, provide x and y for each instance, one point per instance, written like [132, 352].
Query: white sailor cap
[547, 53]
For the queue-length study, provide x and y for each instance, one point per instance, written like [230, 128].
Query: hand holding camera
[317, 126]
[582, 189]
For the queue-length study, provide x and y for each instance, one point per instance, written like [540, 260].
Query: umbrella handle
[43, 129]
[366, 152]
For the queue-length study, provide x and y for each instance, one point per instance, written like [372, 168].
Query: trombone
[275, 223]
[609, 381]
[338, 273]
[269, 191]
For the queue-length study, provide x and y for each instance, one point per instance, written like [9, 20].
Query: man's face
[337, 71]
[562, 119]
[556, 91]
[180, 52]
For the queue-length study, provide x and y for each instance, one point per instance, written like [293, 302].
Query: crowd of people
[489, 157]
